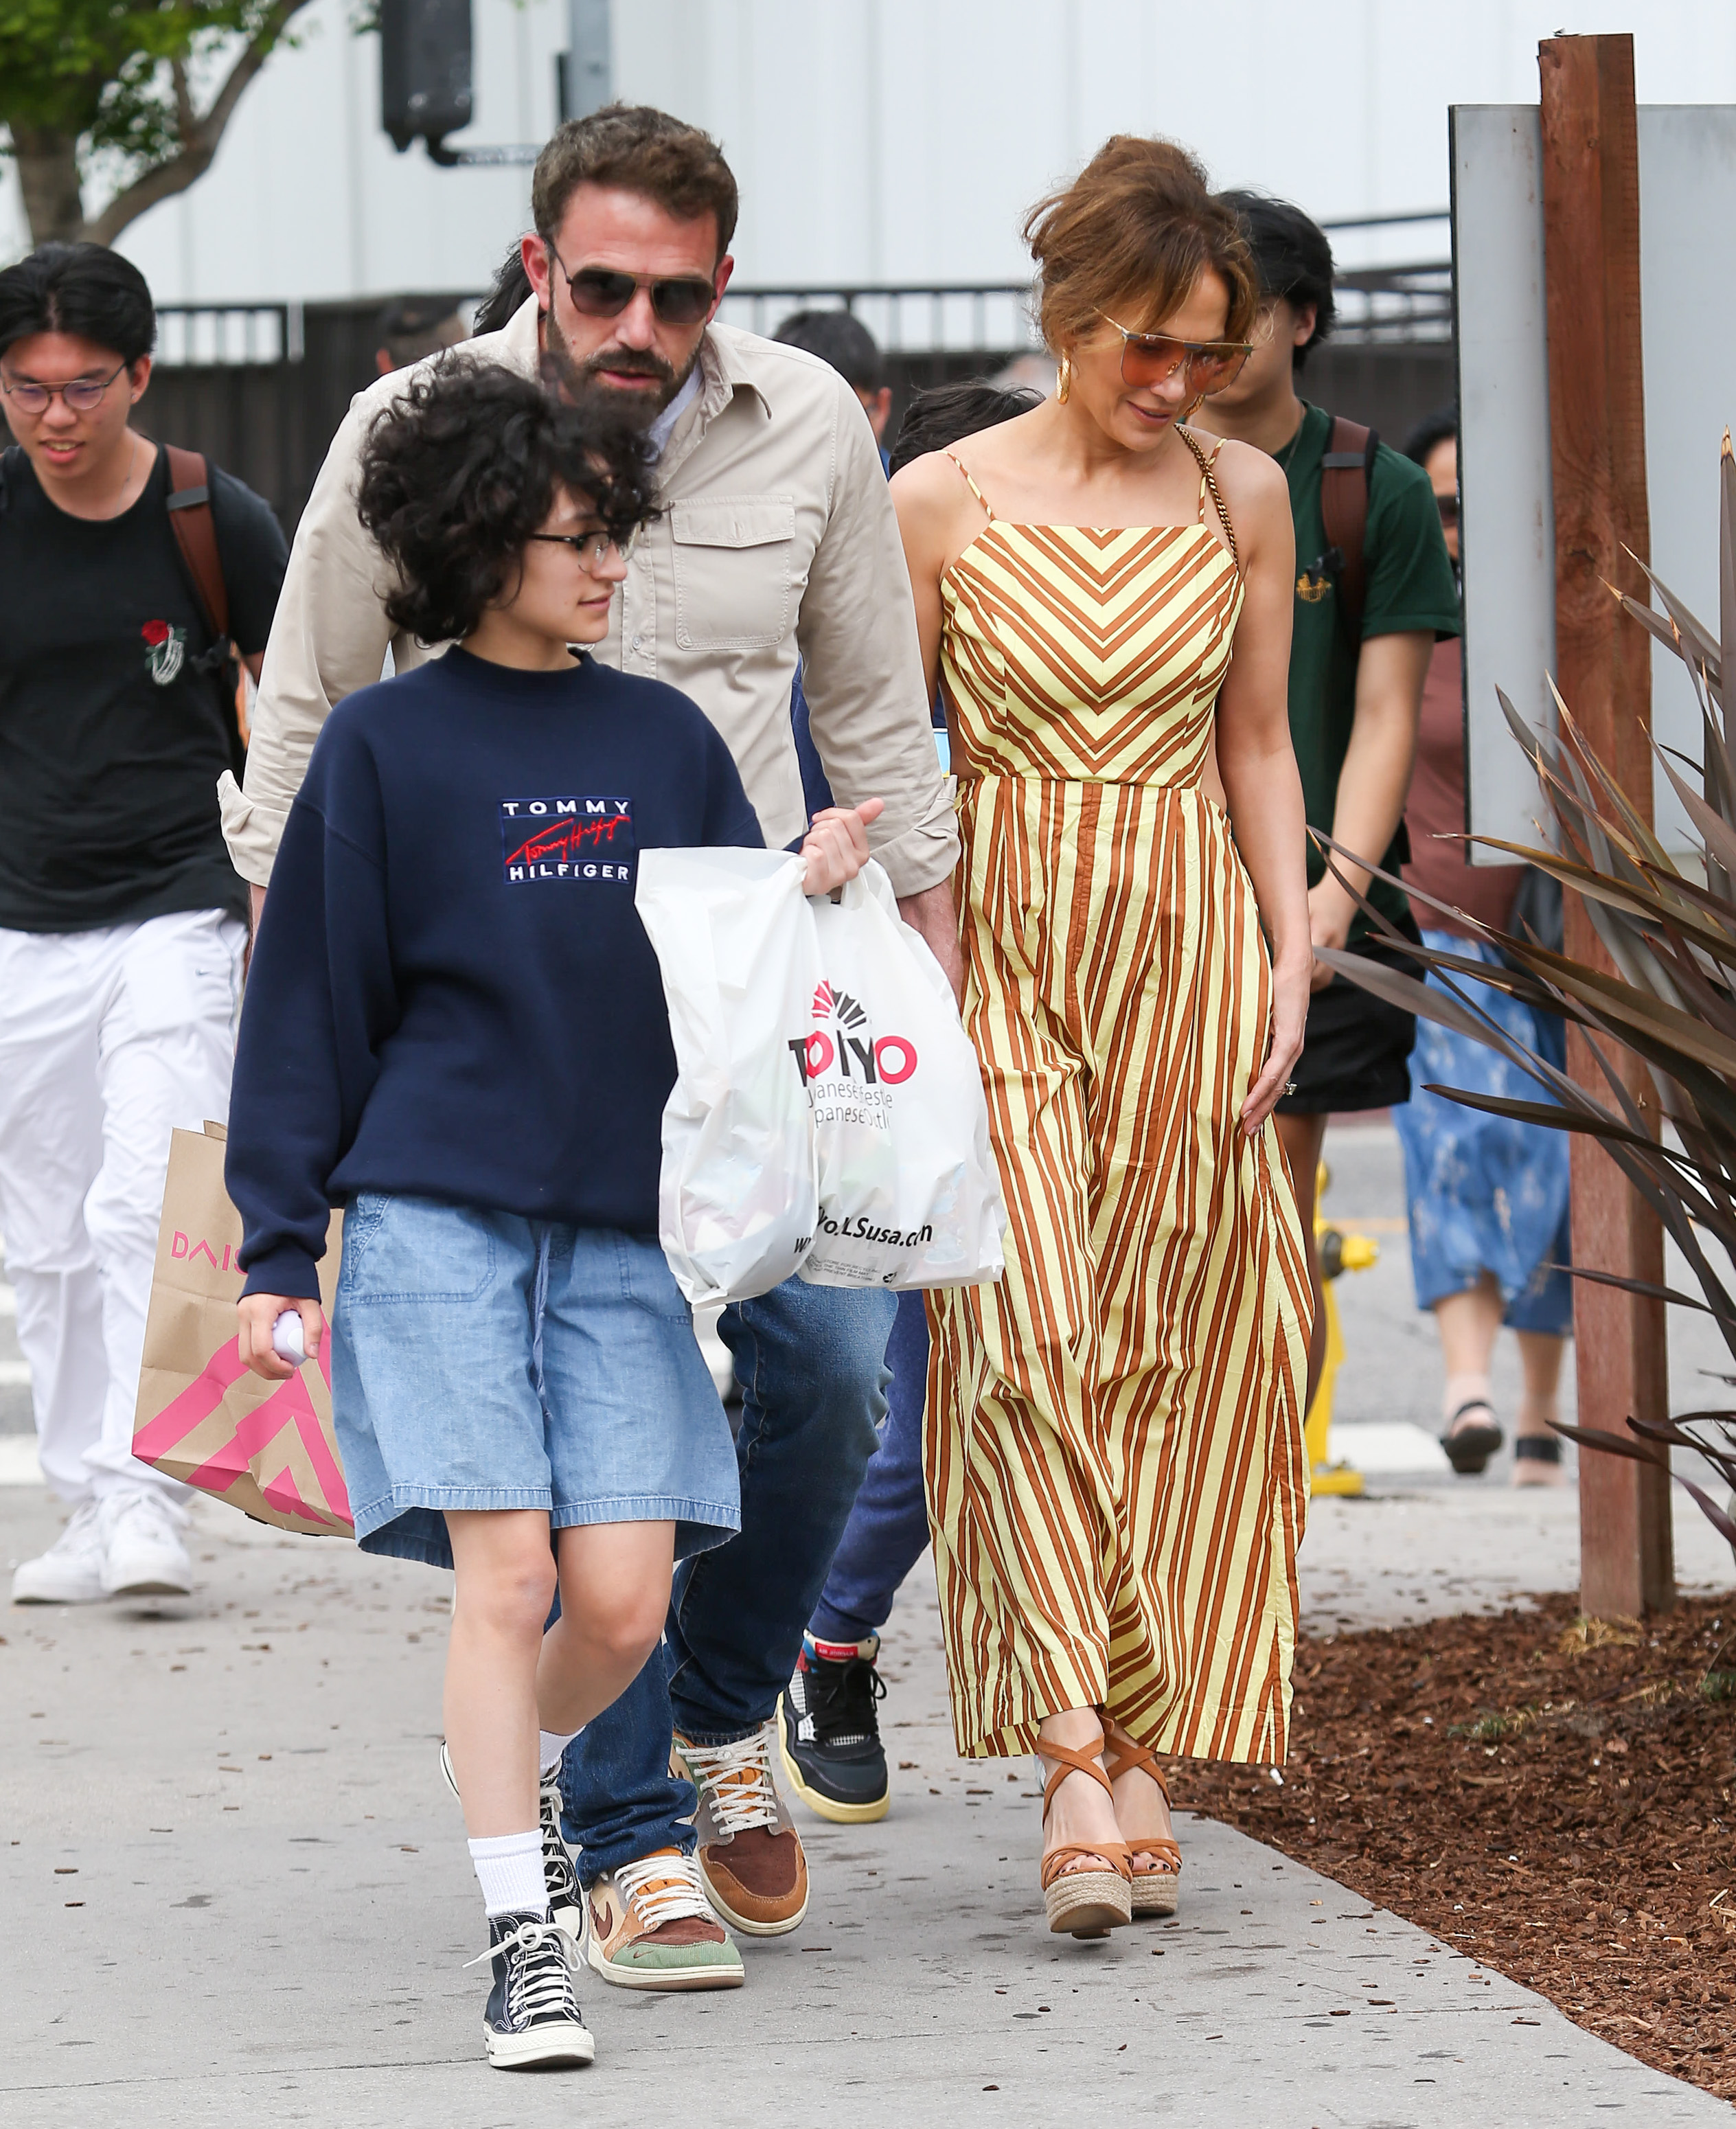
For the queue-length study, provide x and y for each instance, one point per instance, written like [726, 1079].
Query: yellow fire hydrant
[1339, 1252]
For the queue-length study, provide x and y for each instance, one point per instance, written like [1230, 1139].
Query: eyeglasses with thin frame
[1207, 366]
[83, 395]
[591, 548]
[600, 291]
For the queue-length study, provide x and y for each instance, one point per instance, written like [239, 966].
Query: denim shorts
[483, 1360]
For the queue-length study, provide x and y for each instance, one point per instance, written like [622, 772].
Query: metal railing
[1377, 304]
[225, 335]
[962, 318]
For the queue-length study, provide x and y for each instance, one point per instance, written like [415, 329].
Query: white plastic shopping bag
[909, 1193]
[735, 939]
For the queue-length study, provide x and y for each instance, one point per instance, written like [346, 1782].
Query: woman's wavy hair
[1129, 237]
[459, 471]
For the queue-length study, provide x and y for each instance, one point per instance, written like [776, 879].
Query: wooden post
[1590, 179]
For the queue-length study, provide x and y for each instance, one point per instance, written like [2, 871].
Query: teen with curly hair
[455, 1028]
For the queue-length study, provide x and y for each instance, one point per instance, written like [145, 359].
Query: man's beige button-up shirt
[777, 535]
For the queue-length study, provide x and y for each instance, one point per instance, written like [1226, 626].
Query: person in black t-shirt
[121, 919]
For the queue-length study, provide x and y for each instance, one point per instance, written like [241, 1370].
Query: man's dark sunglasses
[598, 292]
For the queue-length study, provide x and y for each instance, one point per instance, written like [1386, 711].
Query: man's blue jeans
[888, 1526]
[811, 1363]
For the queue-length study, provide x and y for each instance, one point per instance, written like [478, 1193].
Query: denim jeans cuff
[707, 1739]
[827, 1625]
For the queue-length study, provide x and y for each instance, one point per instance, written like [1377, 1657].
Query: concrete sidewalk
[171, 1776]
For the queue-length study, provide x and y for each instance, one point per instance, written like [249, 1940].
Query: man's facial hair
[580, 378]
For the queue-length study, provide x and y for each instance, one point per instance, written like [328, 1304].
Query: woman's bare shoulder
[932, 482]
[938, 515]
[1246, 473]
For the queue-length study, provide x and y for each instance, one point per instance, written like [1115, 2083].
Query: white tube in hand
[286, 1336]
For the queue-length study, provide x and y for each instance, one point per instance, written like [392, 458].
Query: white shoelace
[664, 1888]
[557, 1872]
[737, 1781]
[536, 1987]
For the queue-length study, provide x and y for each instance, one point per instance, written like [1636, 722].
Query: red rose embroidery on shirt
[155, 632]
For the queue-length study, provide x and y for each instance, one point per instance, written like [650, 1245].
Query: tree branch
[186, 118]
[201, 136]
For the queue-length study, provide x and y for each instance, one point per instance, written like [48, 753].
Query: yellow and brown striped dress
[1115, 1475]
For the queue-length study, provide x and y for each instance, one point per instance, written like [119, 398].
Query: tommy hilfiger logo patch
[567, 839]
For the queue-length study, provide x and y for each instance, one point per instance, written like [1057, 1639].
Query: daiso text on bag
[909, 1193]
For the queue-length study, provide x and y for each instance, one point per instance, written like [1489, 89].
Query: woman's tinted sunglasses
[1207, 366]
[599, 292]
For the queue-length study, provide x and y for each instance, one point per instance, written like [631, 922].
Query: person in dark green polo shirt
[1354, 696]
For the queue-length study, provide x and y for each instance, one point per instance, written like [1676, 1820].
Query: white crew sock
[509, 1868]
[553, 1744]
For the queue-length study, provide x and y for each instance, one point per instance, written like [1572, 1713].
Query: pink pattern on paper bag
[197, 1401]
[289, 1405]
[282, 1494]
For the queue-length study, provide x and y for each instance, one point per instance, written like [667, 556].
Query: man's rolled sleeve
[329, 637]
[862, 670]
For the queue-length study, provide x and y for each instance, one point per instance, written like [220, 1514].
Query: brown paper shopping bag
[266, 1448]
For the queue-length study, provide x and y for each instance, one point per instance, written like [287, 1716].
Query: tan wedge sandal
[1083, 1903]
[1156, 1863]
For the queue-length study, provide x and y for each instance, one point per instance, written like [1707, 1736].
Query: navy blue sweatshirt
[452, 995]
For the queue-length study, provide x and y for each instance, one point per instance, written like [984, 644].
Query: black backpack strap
[1347, 482]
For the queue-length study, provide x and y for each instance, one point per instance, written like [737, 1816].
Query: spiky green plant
[1672, 1002]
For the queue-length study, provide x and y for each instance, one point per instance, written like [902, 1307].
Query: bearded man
[776, 539]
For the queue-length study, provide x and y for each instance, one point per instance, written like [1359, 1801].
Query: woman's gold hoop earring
[1064, 379]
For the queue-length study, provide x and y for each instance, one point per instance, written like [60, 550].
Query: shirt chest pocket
[734, 570]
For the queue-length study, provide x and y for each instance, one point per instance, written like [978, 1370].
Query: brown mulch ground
[1553, 1795]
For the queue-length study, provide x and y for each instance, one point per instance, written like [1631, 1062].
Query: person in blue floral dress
[1488, 1198]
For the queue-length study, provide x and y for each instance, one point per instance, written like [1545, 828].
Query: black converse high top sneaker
[533, 2020]
[566, 1902]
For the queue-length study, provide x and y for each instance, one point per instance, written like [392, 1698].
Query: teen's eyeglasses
[591, 548]
[83, 395]
[599, 292]
[1206, 365]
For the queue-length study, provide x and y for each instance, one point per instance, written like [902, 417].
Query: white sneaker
[144, 1553]
[70, 1572]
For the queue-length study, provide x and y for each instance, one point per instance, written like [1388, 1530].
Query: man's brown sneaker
[649, 1926]
[749, 1852]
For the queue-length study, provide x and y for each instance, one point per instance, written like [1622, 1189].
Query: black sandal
[1469, 1448]
[1536, 1459]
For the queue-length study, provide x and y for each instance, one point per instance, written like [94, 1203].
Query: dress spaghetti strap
[1208, 482]
[972, 485]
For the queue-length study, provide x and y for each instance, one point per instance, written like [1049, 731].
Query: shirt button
[638, 643]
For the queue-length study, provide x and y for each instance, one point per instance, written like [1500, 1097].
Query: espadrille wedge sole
[1083, 1903]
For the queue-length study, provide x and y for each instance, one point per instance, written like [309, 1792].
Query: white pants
[108, 1041]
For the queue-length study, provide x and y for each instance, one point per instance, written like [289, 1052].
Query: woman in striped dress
[1116, 1481]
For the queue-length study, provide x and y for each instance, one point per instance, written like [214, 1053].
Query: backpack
[195, 529]
[1347, 481]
